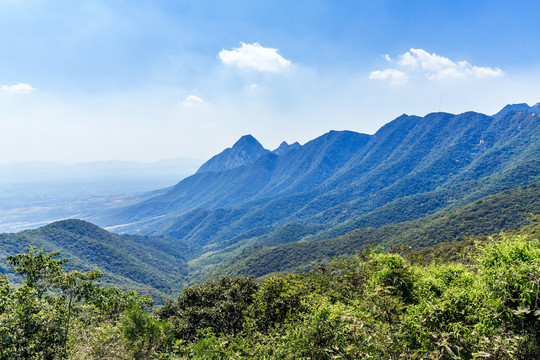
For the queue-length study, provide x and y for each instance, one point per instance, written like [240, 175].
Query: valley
[351, 242]
[252, 211]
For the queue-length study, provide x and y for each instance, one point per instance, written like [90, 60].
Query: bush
[218, 305]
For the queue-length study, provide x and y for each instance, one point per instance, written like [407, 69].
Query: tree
[34, 317]
[218, 304]
[75, 286]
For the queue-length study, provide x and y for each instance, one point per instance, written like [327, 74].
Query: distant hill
[155, 265]
[246, 150]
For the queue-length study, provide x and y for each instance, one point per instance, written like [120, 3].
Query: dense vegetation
[155, 265]
[504, 211]
[161, 266]
[376, 305]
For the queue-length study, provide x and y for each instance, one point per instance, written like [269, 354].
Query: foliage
[38, 316]
[501, 212]
[31, 323]
[381, 305]
[147, 264]
[218, 305]
[377, 304]
[145, 334]
[279, 300]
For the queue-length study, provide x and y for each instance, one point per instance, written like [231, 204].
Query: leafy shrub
[218, 305]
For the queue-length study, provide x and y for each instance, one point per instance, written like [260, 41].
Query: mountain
[246, 150]
[267, 177]
[412, 167]
[284, 148]
[535, 109]
[155, 265]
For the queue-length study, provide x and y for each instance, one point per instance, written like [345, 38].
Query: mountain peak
[246, 150]
[284, 148]
[246, 140]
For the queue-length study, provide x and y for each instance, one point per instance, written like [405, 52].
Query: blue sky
[140, 80]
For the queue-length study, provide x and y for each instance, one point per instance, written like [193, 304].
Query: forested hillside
[155, 265]
[161, 266]
[365, 251]
[419, 187]
[375, 305]
[504, 211]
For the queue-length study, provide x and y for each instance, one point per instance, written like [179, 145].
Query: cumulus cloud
[19, 88]
[256, 57]
[395, 76]
[192, 100]
[436, 67]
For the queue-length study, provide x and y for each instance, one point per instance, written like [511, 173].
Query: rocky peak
[284, 148]
[246, 150]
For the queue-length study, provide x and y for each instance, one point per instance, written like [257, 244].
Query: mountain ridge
[343, 174]
[285, 148]
[148, 264]
[535, 109]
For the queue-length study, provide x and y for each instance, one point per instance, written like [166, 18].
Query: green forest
[461, 300]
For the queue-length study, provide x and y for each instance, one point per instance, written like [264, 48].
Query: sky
[141, 80]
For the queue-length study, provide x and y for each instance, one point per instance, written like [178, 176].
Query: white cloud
[192, 100]
[395, 76]
[440, 67]
[256, 57]
[419, 57]
[435, 67]
[387, 58]
[486, 71]
[19, 88]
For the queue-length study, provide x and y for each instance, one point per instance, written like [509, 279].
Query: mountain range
[412, 167]
[162, 265]
[250, 210]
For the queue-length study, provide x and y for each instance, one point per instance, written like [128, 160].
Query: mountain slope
[504, 211]
[269, 176]
[148, 264]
